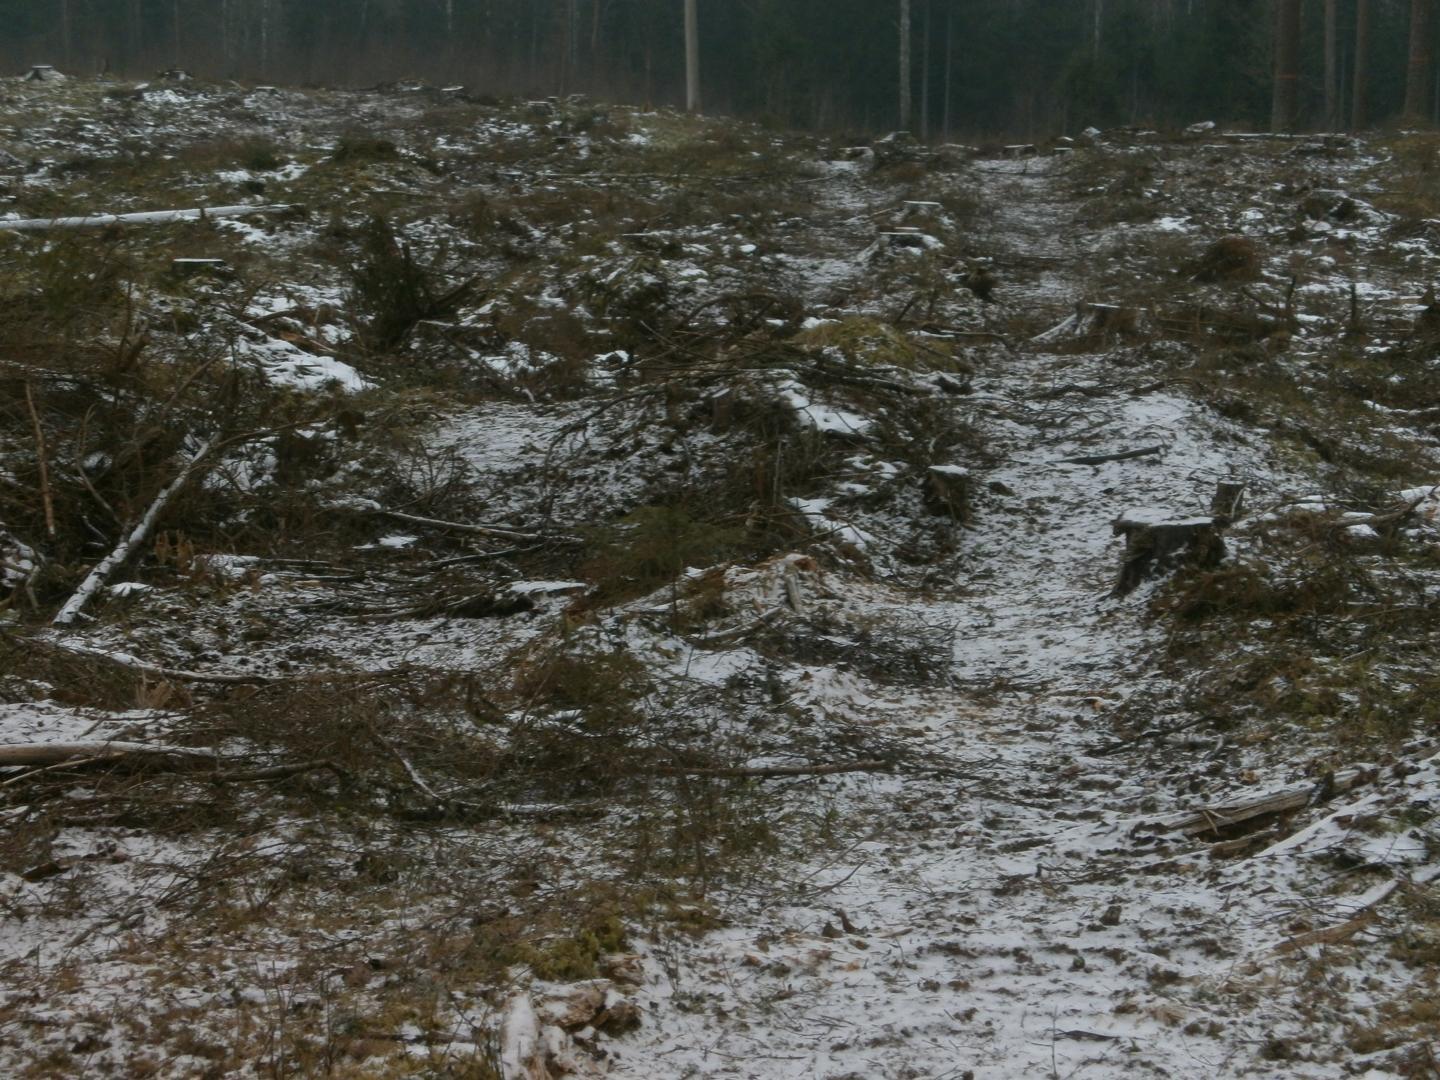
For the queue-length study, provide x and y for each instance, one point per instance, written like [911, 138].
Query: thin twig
[42, 458]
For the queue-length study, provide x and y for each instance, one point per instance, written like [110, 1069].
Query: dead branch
[773, 771]
[499, 531]
[1101, 459]
[280, 772]
[42, 459]
[125, 660]
[42, 755]
[1334, 935]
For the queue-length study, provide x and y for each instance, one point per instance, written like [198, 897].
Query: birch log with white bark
[132, 543]
[149, 217]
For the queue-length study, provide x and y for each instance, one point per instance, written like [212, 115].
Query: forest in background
[978, 67]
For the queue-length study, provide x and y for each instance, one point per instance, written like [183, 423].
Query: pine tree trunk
[65, 32]
[1332, 65]
[136, 34]
[692, 57]
[1360, 101]
[905, 87]
[1417, 74]
[1285, 105]
[925, 76]
[949, 69]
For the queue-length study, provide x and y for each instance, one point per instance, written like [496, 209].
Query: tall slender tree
[692, 57]
[1360, 100]
[1332, 65]
[906, 89]
[1285, 102]
[1417, 71]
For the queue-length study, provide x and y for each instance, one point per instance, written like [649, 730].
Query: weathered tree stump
[947, 492]
[1228, 502]
[1156, 545]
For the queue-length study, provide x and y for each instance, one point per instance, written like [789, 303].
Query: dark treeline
[977, 67]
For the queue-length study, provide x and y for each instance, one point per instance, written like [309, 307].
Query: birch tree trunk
[1285, 104]
[1417, 73]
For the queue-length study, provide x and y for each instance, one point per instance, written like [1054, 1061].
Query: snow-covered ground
[986, 871]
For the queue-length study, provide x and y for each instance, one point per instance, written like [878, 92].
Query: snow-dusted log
[1242, 813]
[151, 217]
[132, 543]
[522, 1050]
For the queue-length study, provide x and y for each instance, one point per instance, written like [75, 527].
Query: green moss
[868, 342]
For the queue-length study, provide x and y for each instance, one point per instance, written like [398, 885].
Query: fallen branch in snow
[280, 772]
[42, 462]
[733, 634]
[132, 543]
[38, 758]
[1227, 816]
[1334, 935]
[775, 771]
[151, 217]
[125, 660]
[41, 755]
[500, 531]
[1101, 459]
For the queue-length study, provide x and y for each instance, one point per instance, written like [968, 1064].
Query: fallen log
[1244, 814]
[150, 217]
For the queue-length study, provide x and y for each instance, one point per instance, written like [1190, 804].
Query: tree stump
[1156, 545]
[1228, 502]
[947, 492]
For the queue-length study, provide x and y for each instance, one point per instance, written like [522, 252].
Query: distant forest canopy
[978, 68]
